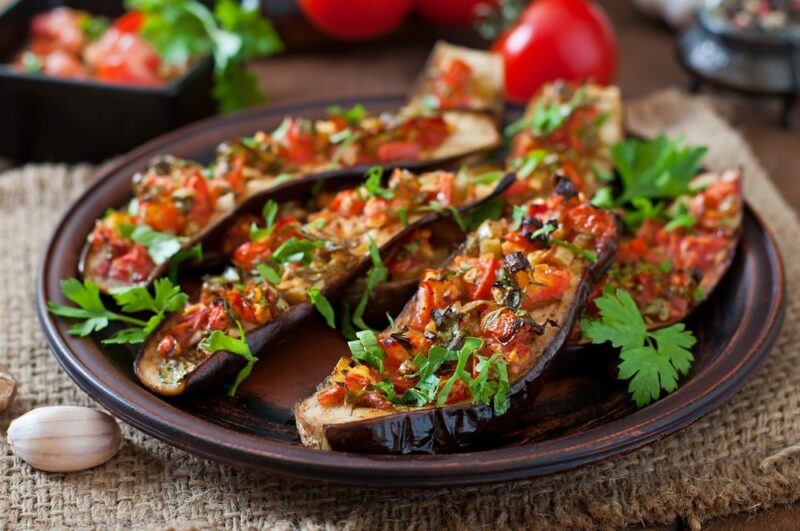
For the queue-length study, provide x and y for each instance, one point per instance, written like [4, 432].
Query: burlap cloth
[740, 457]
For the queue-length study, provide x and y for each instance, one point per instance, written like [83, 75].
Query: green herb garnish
[218, 341]
[269, 213]
[366, 350]
[352, 116]
[160, 245]
[322, 305]
[377, 274]
[652, 361]
[373, 184]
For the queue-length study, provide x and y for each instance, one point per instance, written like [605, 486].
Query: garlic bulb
[8, 388]
[64, 438]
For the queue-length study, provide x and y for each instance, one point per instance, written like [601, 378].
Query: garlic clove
[8, 388]
[64, 438]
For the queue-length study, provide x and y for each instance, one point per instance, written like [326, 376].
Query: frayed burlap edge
[740, 457]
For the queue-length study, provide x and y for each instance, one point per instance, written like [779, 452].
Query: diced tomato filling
[451, 88]
[548, 283]
[298, 145]
[399, 151]
[333, 397]
[134, 266]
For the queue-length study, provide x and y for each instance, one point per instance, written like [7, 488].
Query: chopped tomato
[130, 22]
[481, 289]
[133, 266]
[399, 151]
[374, 399]
[168, 346]
[396, 354]
[202, 200]
[458, 392]
[161, 216]
[428, 132]
[299, 144]
[445, 194]
[549, 283]
[333, 396]
[356, 381]
[347, 203]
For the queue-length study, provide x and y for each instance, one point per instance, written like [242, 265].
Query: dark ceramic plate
[582, 416]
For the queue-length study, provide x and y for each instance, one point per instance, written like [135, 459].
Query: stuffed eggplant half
[176, 202]
[670, 267]
[458, 78]
[294, 260]
[466, 355]
[567, 129]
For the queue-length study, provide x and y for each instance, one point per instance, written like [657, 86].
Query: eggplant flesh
[450, 428]
[205, 372]
[472, 133]
[487, 79]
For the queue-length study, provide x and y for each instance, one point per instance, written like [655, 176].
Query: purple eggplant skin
[218, 367]
[464, 427]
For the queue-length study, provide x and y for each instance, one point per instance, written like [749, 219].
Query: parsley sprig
[95, 317]
[218, 341]
[652, 361]
[233, 35]
[651, 172]
[269, 212]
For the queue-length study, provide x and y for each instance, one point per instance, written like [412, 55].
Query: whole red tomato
[451, 12]
[557, 39]
[356, 20]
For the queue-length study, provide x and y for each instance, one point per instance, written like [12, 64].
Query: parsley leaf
[268, 274]
[218, 341]
[352, 116]
[269, 212]
[377, 274]
[652, 361]
[471, 344]
[322, 305]
[296, 250]
[234, 34]
[583, 253]
[518, 216]
[547, 116]
[525, 165]
[435, 206]
[681, 218]
[373, 184]
[160, 246]
[366, 350]
[167, 297]
[658, 168]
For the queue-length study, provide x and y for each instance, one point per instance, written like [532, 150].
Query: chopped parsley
[366, 350]
[351, 116]
[373, 184]
[322, 305]
[377, 274]
[269, 213]
[296, 250]
[161, 246]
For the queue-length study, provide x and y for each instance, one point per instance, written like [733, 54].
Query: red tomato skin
[356, 20]
[452, 12]
[557, 39]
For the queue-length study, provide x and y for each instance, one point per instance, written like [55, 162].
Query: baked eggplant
[177, 203]
[467, 354]
[459, 78]
[268, 290]
[670, 271]
[567, 129]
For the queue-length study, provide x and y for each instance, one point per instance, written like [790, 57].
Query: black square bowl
[48, 118]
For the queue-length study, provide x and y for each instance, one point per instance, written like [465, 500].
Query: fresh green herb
[322, 305]
[218, 340]
[485, 390]
[658, 168]
[296, 250]
[352, 116]
[283, 177]
[471, 344]
[269, 212]
[194, 253]
[640, 209]
[377, 274]
[402, 213]
[233, 35]
[547, 117]
[525, 165]
[161, 246]
[268, 274]
[489, 177]
[665, 266]
[167, 297]
[435, 206]
[347, 323]
[544, 231]
[373, 184]
[588, 255]
[366, 350]
[652, 361]
[31, 63]
[91, 26]
[518, 216]
[491, 209]
[344, 139]
[681, 218]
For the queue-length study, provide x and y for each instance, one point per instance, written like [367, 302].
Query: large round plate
[581, 417]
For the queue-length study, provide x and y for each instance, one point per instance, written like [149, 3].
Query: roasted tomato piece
[399, 151]
[333, 396]
[298, 144]
[134, 266]
[548, 283]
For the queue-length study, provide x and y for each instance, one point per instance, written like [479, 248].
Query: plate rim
[205, 439]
